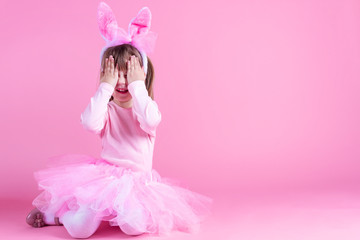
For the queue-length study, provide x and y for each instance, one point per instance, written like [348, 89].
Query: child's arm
[95, 115]
[146, 109]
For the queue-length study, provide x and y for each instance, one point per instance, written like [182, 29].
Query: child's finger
[132, 62]
[128, 66]
[111, 64]
[116, 70]
[108, 65]
[137, 63]
[139, 66]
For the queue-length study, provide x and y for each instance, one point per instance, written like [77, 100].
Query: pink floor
[322, 215]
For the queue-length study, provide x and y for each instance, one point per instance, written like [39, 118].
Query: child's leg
[80, 223]
[49, 219]
[129, 230]
[36, 218]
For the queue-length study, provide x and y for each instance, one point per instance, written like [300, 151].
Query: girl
[121, 187]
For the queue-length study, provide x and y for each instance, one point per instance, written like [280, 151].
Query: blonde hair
[121, 54]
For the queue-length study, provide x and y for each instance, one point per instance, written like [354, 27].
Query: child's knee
[127, 229]
[80, 224]
[80, 232]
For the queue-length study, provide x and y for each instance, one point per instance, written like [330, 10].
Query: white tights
[82, 223]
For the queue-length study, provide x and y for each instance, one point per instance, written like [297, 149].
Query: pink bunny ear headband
[138, 34]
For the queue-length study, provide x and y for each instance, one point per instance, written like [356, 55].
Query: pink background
[253, 95]
[256, 96]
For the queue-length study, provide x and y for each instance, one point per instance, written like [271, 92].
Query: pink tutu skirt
[145, 201]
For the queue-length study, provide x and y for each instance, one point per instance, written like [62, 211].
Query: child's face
[122, 85]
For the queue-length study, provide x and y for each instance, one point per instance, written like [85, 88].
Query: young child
[121, 187]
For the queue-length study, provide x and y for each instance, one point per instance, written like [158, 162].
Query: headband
[138, 34]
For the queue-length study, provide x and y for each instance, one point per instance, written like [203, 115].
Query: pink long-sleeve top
[127, 134]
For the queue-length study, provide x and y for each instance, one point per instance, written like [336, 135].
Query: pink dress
[120, 187]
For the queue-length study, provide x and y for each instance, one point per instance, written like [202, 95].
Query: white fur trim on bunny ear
[145, 61]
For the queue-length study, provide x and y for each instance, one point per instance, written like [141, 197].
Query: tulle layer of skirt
[144, 201]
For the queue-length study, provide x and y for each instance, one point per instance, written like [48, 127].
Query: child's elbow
[92, 129]
[153, 116]
[154, 121]
[91, 126]
[149, 125]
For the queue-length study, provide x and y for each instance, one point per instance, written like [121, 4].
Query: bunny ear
[140, 24]
[107, 22]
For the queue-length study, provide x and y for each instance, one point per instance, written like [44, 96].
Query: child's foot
[36, 219]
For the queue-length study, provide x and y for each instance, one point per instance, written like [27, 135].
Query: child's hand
[110, 73]
[135, 71]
